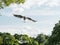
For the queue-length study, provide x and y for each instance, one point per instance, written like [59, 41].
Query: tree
[42, 39]
[1, 40]
[4, 3]
[55, 37]
[35, 43]
[9, 39]
[17, 36]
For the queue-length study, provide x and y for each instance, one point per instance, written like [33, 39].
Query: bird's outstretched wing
[19, 16]
[31, 19]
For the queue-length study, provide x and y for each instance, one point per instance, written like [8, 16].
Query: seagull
[24, 18]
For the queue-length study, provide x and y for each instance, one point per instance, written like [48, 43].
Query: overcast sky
[45, 12]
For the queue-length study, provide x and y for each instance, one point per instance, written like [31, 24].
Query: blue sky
[45, 12]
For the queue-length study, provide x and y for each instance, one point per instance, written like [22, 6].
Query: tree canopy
[4, 3]
[55, 37]
[22, 39]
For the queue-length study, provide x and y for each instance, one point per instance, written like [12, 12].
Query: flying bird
[24, 18]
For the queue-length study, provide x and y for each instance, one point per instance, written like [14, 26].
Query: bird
[24, 18]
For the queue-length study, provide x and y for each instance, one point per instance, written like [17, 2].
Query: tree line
[16, 39]
[41, 39]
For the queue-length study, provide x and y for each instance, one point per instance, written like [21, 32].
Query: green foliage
[17, 36]
[8, 39]
[1, 40]
[42, 39]
[55, 37]
[8, 2]
[35, 42]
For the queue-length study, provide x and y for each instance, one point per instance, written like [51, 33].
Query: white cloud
[52, 3]
[18, 9]
[42, 12]
[30, 3]
[31, 31]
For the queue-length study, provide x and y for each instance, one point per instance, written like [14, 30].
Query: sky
[45, 12]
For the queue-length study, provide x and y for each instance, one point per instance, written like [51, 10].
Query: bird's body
[24, 18]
